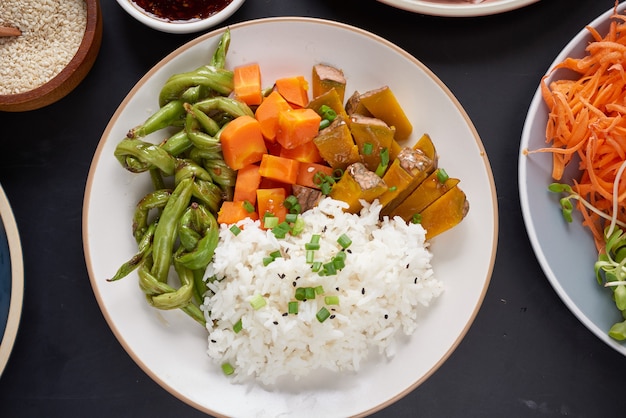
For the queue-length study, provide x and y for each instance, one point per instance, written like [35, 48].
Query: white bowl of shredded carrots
[572, 163]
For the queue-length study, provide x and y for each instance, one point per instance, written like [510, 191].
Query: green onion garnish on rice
[257, 302]
[323, 314]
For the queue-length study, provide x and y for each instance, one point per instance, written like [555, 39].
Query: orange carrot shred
[586, 120]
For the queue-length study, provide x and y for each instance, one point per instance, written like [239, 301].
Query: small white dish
[171, 348]
[565, 251]
[180, 26]
[458, 8]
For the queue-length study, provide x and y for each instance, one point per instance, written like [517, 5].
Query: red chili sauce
[182, 10]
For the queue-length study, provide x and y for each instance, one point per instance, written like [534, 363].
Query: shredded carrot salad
[587, 118]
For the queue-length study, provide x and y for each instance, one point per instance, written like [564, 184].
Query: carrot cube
[247, 84]
[267, 114]
[279, 168]
[242, 142]
[296, 127]
[294, 89]
[248, 180]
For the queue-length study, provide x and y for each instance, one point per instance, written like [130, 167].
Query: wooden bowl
[73, 73]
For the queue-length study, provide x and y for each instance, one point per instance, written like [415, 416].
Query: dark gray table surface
[526, 354]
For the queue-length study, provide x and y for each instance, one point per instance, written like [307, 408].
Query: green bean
[145, 249]
[219, 56]
[163, 296]
[218, 79]
[208, 193]
[202, 120]
[228, 105]
[165, 233]
[153, 200]
[220, 172]
[201, 255]
[167, 115]
[177, 143]
[188, 168]
[138, 156]
[198, 154]
[157, 178]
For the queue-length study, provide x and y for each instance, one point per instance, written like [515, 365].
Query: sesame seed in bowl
[57, 44]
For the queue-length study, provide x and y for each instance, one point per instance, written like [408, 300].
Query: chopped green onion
[344, 241]
[310, 256]
[324, 123]
[416, 218]
[442, 176]
[339, 262]
[300, 293]
[331, 300]
[384, 157]
[228, 369]
[238, 326]
[267, 261]
[316, 266]
[325, 188]
[309, 293]
[297, 208]
[384, 162]
[337, 174]
[330, 269]
[281, 230]
[290, 201]
[315, 238]
[291, 217]
[323, 314]
[298, 226]
[270, 221]
[249, 207]
[275, 254]
[312, 246]
[292, 307]
[393, 188]
[368, 148]
[319, 290]
[327, 112]
[235, 230]
[257, 302]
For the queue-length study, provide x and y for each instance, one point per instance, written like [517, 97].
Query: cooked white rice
[385, 285]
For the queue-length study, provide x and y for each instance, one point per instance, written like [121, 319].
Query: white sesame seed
[52, 31]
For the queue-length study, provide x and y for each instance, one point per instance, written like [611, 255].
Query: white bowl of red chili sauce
[178, 16]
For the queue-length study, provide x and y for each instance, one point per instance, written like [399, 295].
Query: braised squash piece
[331, 99]
[326, 78]
[407, 171]
[357, 183]
[445, 212]
[355, 107]
[427, 146]
[371, 136]
[431, 189]
[336, 146]
[382, 104]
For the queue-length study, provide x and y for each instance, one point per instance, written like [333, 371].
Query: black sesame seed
[332, 317]
[275, 322]
[386, 316]
[415, 281]
[337, 289]
[286, 313]
[349, 251]
[294, 284]
[363, 291]
[213, 341]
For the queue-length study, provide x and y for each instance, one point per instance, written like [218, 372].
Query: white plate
[171, 348]
[569, 268]
[11, 280]
[458, 8]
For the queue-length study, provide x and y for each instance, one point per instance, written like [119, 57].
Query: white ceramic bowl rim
[180, 27]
